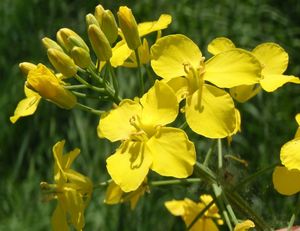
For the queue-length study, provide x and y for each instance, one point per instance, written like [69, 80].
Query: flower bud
[99, 43]
[129, 27]
[91, 19]
[49, 43]
[62, 62]
[25, 67]
[62, 37]
[81, 57]
[99, 11]
[47, 85]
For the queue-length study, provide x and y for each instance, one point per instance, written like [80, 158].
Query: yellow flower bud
[47, 85]
[99, 43]
[62, 62]
[99, 11]
[109, 26]
[81, 57]
[129, 27]
[49, 43]
[91, 19]
[25, 67]
[77, 41]
[63, 35]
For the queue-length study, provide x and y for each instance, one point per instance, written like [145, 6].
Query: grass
[25, 148]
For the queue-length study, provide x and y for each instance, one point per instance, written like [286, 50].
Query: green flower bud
[63, 35]
[129, 27]
[99, 43]
[81, 57]
[62, 62]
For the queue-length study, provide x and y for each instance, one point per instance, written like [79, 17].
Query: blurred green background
[25, 147]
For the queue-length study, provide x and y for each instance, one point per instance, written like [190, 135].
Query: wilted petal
[219, 45]
[113, 194]
[170, 54]
[128, 166]
[232, 68]
[216, 116]
[290, 154]
[270, 82]
[286, 182]
[115, 125]
[149, 27]
[59, 219]
[160, 105]
[273, 58]
[172, 153]
[244, 226]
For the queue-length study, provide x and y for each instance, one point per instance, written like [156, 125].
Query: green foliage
[25, 148]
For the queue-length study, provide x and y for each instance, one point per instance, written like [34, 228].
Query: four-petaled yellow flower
[189, 210]
[209, 110]
[71, 189]
[146, 142]
[286, 179]
[274, 61]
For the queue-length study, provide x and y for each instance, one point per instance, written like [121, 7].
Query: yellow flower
[209, 110]
[146, 142]
[71, 189]
[26, 106]
[189, 210]
[286, 178]
[274, 61]
[115, 195]
[121, 51]
[244, 226]
[47, 85]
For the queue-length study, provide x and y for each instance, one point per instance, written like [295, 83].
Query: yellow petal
[115, 125]
[26, 107]
[176, 207]
[113, 194]
[120, 52]
[273, 58]
[59, 219]
[290, 154]
[170, 54]
[129, 165]
[216, 117]
[219, 45]
[286, 182]
[270, 82]
[149, 27]
[232, 68]
[172, 153]
[297, 117]
[204, 225]
[244, 92]
[160, 105]
[244, 226]
[179, 86]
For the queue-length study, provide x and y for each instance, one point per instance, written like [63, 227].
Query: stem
[74, 87]
[183, 125]
[140, 72]
[102, 184]
[88, 109]
[88, 85]
[179, 181]
[209, 152]
[253, 176]
[114, 79]
[220, 156]
[292, 220]
[200, 214]
[84, 95]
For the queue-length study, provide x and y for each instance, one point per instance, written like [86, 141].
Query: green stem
[75, 87]
[142, 88]
[220, 156]
[253, 176]
[90, 86]
[114, 79]
[84, 95]
[171, 182]
[200, 214]
[183, 125]
[296, 212]
[88, 109]
[102, 184]
[209, 152]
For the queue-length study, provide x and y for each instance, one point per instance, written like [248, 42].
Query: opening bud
[62, 62]
[129, 27]
[25, 67]
[44, 82]
[100, 44]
